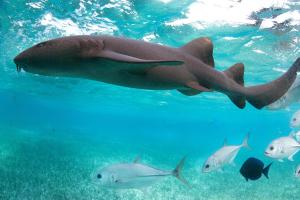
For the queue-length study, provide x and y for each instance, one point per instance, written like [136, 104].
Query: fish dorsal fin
[137, 159]
[201, 48]
[115, 61]
[225, 142]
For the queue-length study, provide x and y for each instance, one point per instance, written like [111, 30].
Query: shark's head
[52, 57]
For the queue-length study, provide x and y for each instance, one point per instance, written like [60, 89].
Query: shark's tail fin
[262, 95]
[236, 72]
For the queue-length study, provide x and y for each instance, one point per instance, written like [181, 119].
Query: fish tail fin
[245, 141]
[266, 170]
[236, 73]
[177, 171]
[265, 94]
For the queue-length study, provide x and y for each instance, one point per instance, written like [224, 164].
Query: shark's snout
[20, 60]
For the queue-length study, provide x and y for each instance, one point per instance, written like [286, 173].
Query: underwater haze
[56, 132]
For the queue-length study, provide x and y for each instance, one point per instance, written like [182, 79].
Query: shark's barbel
[138, 64]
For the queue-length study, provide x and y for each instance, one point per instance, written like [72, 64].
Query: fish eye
[99, 176]
[294, 119]
[207, 166]
[271, 148]
[299, 171]
[41, 44]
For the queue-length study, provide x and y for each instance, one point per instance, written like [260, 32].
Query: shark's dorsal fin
[201, 48]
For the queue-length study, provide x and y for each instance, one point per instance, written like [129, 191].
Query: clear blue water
[55, 132]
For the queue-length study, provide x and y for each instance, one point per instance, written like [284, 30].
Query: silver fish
[283, 147]
[135, 175]
[295, 120]
[223, 156]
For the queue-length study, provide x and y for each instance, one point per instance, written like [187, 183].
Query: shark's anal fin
[236, 73]
[117, 61]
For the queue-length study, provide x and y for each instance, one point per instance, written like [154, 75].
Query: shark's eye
[41, 44]
[299, 171]
[294, 119]
[271, 148]
[207, 166]
[99, 176]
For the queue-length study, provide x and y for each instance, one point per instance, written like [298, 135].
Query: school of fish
[136, 175]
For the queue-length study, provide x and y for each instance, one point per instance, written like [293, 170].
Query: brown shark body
[139, 64]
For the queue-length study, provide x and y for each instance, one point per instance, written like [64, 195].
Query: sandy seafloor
[55, 132]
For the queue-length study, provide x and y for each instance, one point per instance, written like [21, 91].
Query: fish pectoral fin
[292, 155]
[290, 158]
[196, 86]
[119, 61]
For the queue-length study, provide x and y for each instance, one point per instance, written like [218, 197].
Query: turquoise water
[55, 132]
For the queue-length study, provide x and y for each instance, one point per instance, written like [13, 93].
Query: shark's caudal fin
[236, 72]
[177, 171]
[201, 48]
[262, 95]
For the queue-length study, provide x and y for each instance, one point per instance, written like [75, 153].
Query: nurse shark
[139, 64]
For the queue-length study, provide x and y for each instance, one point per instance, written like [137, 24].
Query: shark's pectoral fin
[117, 61]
